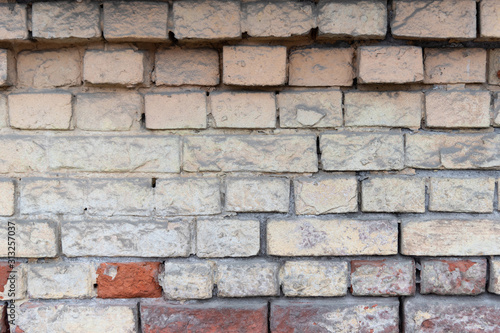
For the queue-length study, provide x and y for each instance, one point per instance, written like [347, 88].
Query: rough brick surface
[493, 66]
[13, 22]
[187, 279]
[465, 65]
[7, 197]
[3, 112]
[23, 154]
[34, 239]
[494, 285]
[176, 110]
[7, 68]
[489, 19]
[12, 281]
[263, 194]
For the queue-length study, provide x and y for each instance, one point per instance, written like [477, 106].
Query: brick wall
[253, 166]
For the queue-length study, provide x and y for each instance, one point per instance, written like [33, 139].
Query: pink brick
[455, 65]
[489, 19]
[176, 110]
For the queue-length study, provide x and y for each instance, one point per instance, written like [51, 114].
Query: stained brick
[187, 279]
[494, 285]
[465, 65]
[493, 66]
[489, 19]
[34, 238]
[7, 68]
[12, 281]
[13, 21]
[176, 110]
[7, 197]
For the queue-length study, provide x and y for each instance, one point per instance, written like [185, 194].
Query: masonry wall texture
[249, 166]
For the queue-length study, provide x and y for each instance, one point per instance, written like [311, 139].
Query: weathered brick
[128, 280]
[7, 68]
[248, 65]
[494, 285]
[177, 67]
[390, 64]
[325, 195]
[7, 197]
[204, 196]
[386, 109]
[66, 19]
[3, 112]
[434, 19]
[489, 19]
[310, 108]
[383, 277]
[135, 20]
[283, 153]
[263, 194]
[23, 153]
[464, 65]
[494, 66]
[393, 194]
[496, 112]
[358, 19]
[243, 109]
[187, 279]
[355, 151]
[457, 109]
[126, 239]
[247, 278]
[34, 239]
[450, 237]
[453, 277]
[465, 195]
[207, 19]
[227, 238]
[314, 278]
[315, 237]
[12, 281]
[13, 21]
[113, 111]
[176, 110]
[51, 111]
[321, 67]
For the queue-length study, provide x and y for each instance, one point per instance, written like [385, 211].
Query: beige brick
[284, 19]
[207, 19]
[467, 195]
[227, 238]
[23, 154]
[496, 112]
[358, 151]
[114, 111]
[434, 19]
[7, 68]
[7, 197]
[120, 67]
[177, 67]
[321, 67]
[450, 238]
[325, 195]
[13, 21]
[494, 66]
[314, 278]
[34, 239]
[51, 111]
[494, 286]
[243, 109]
[187, 279]
[489, 19]
[464, 65]
[310, 108]
[248, 65]
[135, 21]
[263, 194]
[176, 110]
[386, 109]
[3, 112]
[390, 64]
[204, 196]
[66, 19]
[393, 194]
[359, 19]
[318, 237]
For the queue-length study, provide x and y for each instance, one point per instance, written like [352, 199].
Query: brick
[247, 278]
[321, 67]
[347, 315]
[34, 239]
[121, 67]
[390, 64]
[247, 65]
[457, 109]
[3, 112]
[204, 196]
[315, 237]
[450, 237]
[496, 112]
[436, 19]
[263, 194]
[135, 21]
[494, 285]
[283, 153]
[489, 19]
[393, 194]
[243, 109]
[227, 238]
[177, 67]
[286, 19]
[493, 66]
[207, 19]
[465, 195]
[383, 277]
[128, 280]
[13, 22]
[23, 153]
[383, 109]
[360, 19]
[310, 108]
[111, 111]
[464, 65]
[12, 281]
[7, 68]
[183, 280]
[63, 20]
[314, 278]
[176, 110]
[325, 195]
[349, 151]
[51, 111]
[453, 277]
[7, 197]
[212, 316]
[126, 239]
